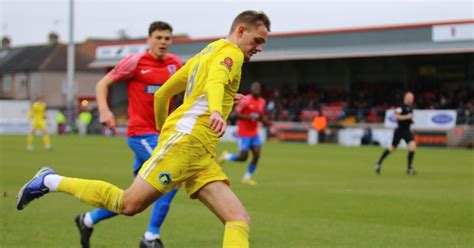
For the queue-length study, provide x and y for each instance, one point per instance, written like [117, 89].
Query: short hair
[159, 25]
[252, 19]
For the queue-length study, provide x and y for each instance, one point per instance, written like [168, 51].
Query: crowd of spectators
[364, 102]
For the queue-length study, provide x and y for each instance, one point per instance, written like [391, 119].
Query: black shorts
[399, 134]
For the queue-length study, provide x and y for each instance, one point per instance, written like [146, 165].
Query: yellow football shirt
[211, 78]
[37, 112]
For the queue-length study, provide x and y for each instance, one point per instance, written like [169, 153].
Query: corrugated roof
[410, 39]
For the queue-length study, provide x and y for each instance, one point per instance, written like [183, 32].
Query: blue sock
[159, 212]
[231, 157]
[234, 157]
[99, 214]
[251, 168]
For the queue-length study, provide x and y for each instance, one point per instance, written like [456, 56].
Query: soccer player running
[404, 117]
[249, 112]
[186, 151]
[144, 73]
[37, 116]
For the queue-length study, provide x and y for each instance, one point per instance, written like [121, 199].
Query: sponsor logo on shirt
[227, 62]
[151, 89]
[144, 71]
[172, 69]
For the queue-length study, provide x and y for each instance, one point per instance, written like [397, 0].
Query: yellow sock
[46, 141]
[99, 194]
[236, 234]
[29, 140]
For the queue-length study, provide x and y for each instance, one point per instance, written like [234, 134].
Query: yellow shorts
[181, 159]
[38, 125]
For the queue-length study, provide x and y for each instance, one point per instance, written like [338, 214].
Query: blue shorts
[247, 143]
[142, 146]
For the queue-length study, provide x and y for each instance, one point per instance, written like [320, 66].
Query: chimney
[6, 42]
[53, 38]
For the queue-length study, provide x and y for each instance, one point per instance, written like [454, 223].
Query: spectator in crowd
[367, 102]
[85, 118]
[320, 123]
[61, 121]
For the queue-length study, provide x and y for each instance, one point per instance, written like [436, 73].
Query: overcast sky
[29, 21]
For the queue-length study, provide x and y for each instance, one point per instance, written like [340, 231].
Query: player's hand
[237, 98]
[217, 123]
[409, 116]
[267, 122]
[107, 119]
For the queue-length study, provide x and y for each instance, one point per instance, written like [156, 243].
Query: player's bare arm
[106, 117]
[249, 117]
[217, 123]
[237, 98]
[266, 122]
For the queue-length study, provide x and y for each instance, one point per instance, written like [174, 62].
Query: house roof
[390, 40]
[27, 58]
[58, 60]
[51, 57]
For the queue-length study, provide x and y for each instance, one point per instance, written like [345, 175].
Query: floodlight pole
[70, 88]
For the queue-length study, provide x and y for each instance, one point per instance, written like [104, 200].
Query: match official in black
[404, 117]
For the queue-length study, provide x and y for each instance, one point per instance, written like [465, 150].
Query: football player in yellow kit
[186, 151]
[37, 116]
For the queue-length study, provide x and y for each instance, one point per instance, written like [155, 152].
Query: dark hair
[159, 25]
[251, 18]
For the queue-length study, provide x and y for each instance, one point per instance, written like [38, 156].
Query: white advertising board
[453, 32]
[14, 118]
[231, 134]
[353, 137]
[425, 119]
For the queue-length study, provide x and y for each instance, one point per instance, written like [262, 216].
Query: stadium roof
[393, 40]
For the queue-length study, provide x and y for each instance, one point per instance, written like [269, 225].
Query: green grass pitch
[307, 196]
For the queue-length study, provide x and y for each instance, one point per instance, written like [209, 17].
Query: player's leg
[161, 206]
[30, 138]
[243, 144]
[220, 199]
[46, 137]
[142, 192]
[93, 192]
[256, 145]
[411, 153]
[396, 139]
[85, 222]
[164, 170]
[387, 152]
[207, 182]
[158, 215]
